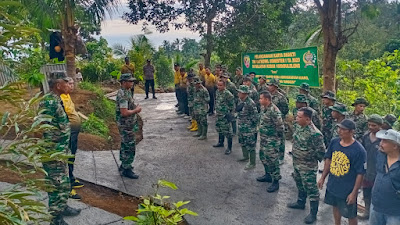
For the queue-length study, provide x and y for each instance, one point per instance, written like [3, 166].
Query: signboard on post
[292, 67]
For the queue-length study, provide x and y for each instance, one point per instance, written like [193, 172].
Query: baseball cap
[389, 135]
[347, 124]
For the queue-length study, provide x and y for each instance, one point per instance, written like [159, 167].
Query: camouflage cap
[274, 82]
[263, 77]
[247, 78]
[340, 108]
[390, 119]
[191, 75]
[196, 80]
[360, 101]
[375, 118]
[305, 87]
[126, 77]
[329, 95]
[301, 98]
[57, 75]
[244, 89]
[226, 75]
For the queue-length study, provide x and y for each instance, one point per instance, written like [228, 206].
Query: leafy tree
[163, 65]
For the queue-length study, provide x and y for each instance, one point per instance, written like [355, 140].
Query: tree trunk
[329, 67]
[69, 33]
[209, 44]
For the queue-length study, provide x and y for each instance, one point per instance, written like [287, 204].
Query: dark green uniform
[315, 117]
[254, 96]
[200, 105]
[127, 127]
[281, 102]
[238, 80]
[313, 103]
[271, 132]
[224, 109]
[327, 124]
[191, 90]
[361, 122]
[57, 171]
[308, 149]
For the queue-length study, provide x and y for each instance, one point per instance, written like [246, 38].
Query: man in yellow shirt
[75, 124]
[183, 105]
[210, 85]
[177, 76]
[129, 67]
[202, 73]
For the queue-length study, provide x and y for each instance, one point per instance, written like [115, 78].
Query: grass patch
[95, 88]
[96, 126]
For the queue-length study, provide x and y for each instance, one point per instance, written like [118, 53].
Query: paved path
[217, 186]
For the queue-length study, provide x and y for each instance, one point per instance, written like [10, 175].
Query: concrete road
[220, 191]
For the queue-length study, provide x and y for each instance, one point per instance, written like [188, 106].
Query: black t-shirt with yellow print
[347, 163]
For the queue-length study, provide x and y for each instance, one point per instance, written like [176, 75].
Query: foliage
[156, 211]
[85, 85]
[96, 126]
[164, 77]
[19, 204]
[377, 81]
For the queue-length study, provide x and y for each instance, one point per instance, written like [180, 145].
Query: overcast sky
[117, 31]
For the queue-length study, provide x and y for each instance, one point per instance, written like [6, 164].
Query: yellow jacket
[183, 81]
[210, 80]
[128, 68]
[177, 77]
[202, 74]
[69, 107]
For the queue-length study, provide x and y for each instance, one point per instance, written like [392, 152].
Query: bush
[104, 108]
[164, 77]
[85, 85]
[96, 126]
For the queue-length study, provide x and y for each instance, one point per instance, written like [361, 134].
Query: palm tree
[62, 14]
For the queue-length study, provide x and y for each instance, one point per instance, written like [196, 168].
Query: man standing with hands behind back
[148, 71]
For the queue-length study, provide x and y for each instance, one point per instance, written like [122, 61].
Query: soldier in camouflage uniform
[262, 87]
[231, 87]
[238, 80]
[58, 140]
[247, 123]
[271, 132]
[191, 90]
[339, 113]
[301, 101]
[127, 125]
[282, 103]
[388, 121]
[308, 149]
[328, 99]
[312, 102]
[200, 108]
[224, 107]
[359, 118]
[253, 91]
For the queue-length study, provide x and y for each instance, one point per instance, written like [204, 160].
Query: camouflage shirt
[247, 116]
[238, 80]
[313, 102]
[361, 122]
[254, 96]
[327, 122]
[315, 117]
[201, 100]
[124, 99]
[262, 88]
[224, 103]
[52, 105]
[308, 145]
[271, 123]
[232, 89]
[191, 90]
[281, 102]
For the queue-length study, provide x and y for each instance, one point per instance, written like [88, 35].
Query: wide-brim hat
[360, 101]
[390, 119]
[375, 118]
[301, 98]
[305, 87]
[340, 108]
[329, 95]
[274, 82]
[59, 75]
[243, 89]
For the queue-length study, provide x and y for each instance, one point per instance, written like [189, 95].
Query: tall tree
[62, 14]
[200, 16]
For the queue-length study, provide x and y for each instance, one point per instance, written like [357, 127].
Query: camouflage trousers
[223, 126]
[128, 147]
[282, 147]
[57, 176]
[201, 119]
[306, 179]
[327, 137]
[191, 111]
[269, 156]
[248, 142]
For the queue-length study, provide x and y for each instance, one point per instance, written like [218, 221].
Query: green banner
[292, 67]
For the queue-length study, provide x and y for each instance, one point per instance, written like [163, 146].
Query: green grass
[96, 126]
[95, 88]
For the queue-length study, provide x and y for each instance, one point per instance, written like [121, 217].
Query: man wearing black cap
[148, 71]
[345, 164]
[359, 117]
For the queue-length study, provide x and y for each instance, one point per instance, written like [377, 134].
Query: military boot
[58, 220]
[195, 126]
[204, 132]
[245, 153]
[191, 125]
[312, 217]
[69, 211]
[273, 187]
[199, 132]
[252, 163]
[221, 140]
[129, 174]
[301, 201]
[229, 149]
[266, 178]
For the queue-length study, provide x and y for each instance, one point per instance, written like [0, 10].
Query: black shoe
[154, 97]
[77, 184]
[312, 217]
[147, 97]
[297, 205]
[266, 178]
[273, 187]
[218, 145]
[58, 221]
[129, 174]
[69, 211]
[228, 151]
[74, 195]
